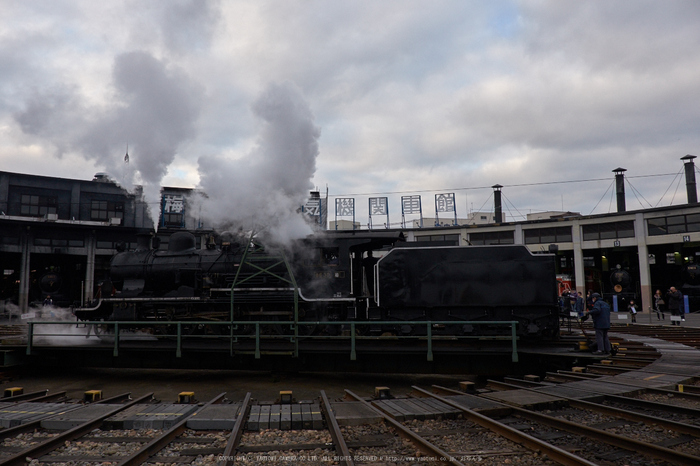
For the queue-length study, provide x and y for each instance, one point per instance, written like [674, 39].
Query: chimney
[690, 179]
[620, 188]
[497, 206]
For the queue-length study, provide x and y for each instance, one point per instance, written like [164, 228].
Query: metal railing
[242, 330]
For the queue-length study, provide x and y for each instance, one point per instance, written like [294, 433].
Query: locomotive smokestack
[620, 188]
[497, 206]
[690, 179]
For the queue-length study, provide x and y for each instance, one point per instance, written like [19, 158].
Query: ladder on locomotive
[250, 271]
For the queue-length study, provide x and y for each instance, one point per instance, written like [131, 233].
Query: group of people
[672, 303]
[599, 311]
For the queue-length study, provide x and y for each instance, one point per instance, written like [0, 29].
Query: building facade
[59, 234]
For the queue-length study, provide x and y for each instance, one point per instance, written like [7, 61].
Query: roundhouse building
[57, 236]
[622, 255]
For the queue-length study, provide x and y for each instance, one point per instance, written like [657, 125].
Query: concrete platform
[475, 403]
[354, 413]
[527, 398]
[406, 409]
[215, 417]
[602, 387]
[15, 414]
[77, 417]
[149, 416]
[645, 379]
[295, 416]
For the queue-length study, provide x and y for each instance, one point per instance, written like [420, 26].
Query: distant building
[552, 215]
[316, 210]
[343, 225]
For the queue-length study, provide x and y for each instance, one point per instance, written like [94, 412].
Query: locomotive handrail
[120, 325]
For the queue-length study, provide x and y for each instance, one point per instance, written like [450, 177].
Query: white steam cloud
[154, 109]
[265, 189]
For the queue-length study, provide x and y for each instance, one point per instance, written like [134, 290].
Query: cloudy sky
[367, 98]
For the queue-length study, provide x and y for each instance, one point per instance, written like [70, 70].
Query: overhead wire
[669, 187]
[519, 185]
[601, 198]
[513, 205]
[635, 191]
[676, 191]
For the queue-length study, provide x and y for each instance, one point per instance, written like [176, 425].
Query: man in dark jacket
[601, 323]
[674, 304]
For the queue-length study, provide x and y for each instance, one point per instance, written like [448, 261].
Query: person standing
[674, 298]
[579, 304]
[632, 308]
[659, 304]
[601, 323]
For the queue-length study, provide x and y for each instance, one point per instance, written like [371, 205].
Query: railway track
[609, 430]
[624, 410]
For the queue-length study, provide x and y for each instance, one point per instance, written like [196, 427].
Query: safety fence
[115, 332]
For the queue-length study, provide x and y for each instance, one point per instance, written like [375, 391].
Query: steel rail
[421, 443]
[234, 439]
[569, 376]
[154, 446]
[676, 426]
[44, 398]
[341, 447]
[619, 441]
[684, 395]
[623, 413]
[553, 452]
[112, 399]
[30, 426]
[71, 434]
[25, 396]
[615, 440]
[653, 405]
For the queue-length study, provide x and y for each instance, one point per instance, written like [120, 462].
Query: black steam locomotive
[337, 276]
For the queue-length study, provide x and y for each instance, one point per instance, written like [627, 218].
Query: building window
[548, 235]
[58, 243]
[674, 224]
[452, 238]
[492, 237]
[613, 230]
[38, 206]
[173, 220]
[102, 211]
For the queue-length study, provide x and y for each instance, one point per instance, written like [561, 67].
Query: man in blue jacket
[601, 323]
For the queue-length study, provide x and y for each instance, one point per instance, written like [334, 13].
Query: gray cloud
[410, 95]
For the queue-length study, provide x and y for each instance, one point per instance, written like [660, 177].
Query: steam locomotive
[356, 276]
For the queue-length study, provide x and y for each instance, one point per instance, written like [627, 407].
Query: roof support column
[644, 271]
[579, 272]
[24, 270]
[90, 244]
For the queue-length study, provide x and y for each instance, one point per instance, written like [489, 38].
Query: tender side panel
[477, 276]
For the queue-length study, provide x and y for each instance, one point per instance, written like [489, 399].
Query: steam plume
[265, 189]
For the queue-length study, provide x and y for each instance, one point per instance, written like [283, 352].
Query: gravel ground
[476, 445]
[283, 456]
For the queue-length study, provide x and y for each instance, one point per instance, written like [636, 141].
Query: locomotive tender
[334, 276]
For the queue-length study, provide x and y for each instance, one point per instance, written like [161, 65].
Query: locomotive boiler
[357, 276]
